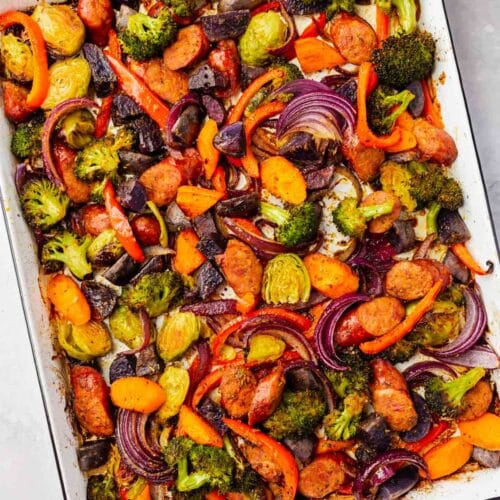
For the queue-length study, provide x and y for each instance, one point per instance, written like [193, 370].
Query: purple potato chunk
[208, 278]
[134, 162]
[132, 195]
[451, 227]
[226, 25]
[124, 109]
[93, 454]
[103, 77]
[122, 366]
[215, 108]
[149, 135]
[205, 78]
[230, 140]
[416, 106]
[148, 362]
[101, 298]
[246, 205]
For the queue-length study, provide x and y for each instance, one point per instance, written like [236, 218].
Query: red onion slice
[419, 372]
[176, 110]
[482, 356]
[146, 332]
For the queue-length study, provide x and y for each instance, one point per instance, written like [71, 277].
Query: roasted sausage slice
[267, 396]
[434, 143]
[321, 477]
[237, 388]
[438, 270]
[191, 45]
[353, 37]
[380, 315]
[408, 281]
[365, 161]
[349, 330]
[161, 182]
[95, 219]
[390, 396]
[262, 463]
[477, 401]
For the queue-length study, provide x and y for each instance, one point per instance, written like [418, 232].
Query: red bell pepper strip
[366, 136]
[40, 85]
[382, 25]
[315, 28]
[463, 254]
[205, 385]
[266, 7]
[406, 326]
[119, 222]
[432, 109]
[133, 86]
[275, 451]
[114, 48]
[102, 120]
[429, 438]
[214, 495]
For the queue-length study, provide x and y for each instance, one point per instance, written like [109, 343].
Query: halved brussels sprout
[67, 79]
[62, 29]
[175, 382]
[286, 280]
[126, 327]
[17, 58]
[177, 333]
[84, 342]
[265, 348]
[105, 248]
[78, 128]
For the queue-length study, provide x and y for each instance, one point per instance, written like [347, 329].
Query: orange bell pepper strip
[119, 222]
[463, 254]
[247, 303]
[274, 450]
[194, 426]
[40, 85]
[366, 136]
[429, 438]
[134, 87]
[432, 108]
[400, 331]
[204, 144]
[205, 385]
[262, 113]
[406, 142]
[219, 181]
[382, 25]
[239, 108]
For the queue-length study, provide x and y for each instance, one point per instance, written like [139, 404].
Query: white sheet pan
[478, 485]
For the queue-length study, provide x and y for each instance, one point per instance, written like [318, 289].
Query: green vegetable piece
[286, 280]
[451, 195]
[431, 218]
[126, 326]
[395, 178]
[337, 6]
[26, 141]
[183, 8]
[341, 425]
[401, 351]
[93, 338]
[407, 13]
[163, 226]
[105, 248]
[177, 449]
[175, 382]
[65, 338]
[177, 334]
[101, 487]
[44, 205]
[265, 348]
[16, 57]
[78, 128]
[267, 30]
[65, 247]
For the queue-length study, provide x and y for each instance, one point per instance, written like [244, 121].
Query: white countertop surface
[27, 465]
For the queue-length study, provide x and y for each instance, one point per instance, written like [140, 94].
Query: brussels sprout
[105, 248]
[67, 79]
[177, 333]
[265, 348]
[286, 280]
[77, 128]
[175, 382]
[126, 327]
[17, 58]
[265, 31]
[62, 29]
[84, 342]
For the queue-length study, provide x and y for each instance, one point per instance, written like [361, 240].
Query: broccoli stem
[373, 211]
[407, 13]
[189, 482]
[402, 101]
[431, 218]
[457, 388]
[273, 213]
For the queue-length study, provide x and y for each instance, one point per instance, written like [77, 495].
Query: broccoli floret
[215, 463]
[298, 225]
[249, 483]
[297, 415]
[404, 59]
[407, 12]
[182, 8]
[100, 159]
[351, 219]
[155, 292]
[431, 217]
[65, 247]
[400, 352]
[101, 487]
[445, 398]
[337, 6]
[451, 196]
[176, 449]
[43, 203]
[352, 381]
[342, 425]
[27, 141]
[146, 36]
[385, 105]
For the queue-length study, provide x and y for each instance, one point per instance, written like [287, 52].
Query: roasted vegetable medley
[247, 220]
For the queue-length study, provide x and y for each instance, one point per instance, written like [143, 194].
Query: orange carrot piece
[209, 154]
[483, 431]
[400, 331]
[283, 179]
[330, 276]
[206, 385]
[137, 394]
[446, 458]
[461, 251]
[246, 303]
[382, 25]
[315, 55]
[406, 121]
[194, 200]
[432, 108]
[197, 428]
[68, 300]
[187, 257]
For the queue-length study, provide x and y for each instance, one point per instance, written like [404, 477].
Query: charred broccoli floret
[445, 398]
[298, 225]
[65, 247]
[407, 12]
[337, 6]
[43, 203]
[146, 36]
[297, 415]
[342, 425]
[352, 381]
[351, 219]
[404, 59]
[183, 8]
[155, 292]
[401, 351]
[385, 105]
[100, 159]
[26, 141]
[249, 483]
[451, 195]
[176, 449]
[101, 487]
